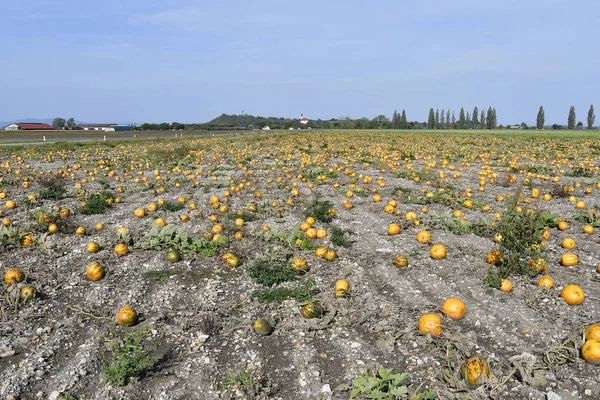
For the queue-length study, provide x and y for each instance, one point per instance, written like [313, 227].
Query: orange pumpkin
[569, 259]
[401, 261]
[341, 288]
[568, 243]
[590, 351]
[139, 212]
[438, 251]
[430, 323]
[474, 371]
[546, 282]
[127, 316]
[92, 247]
[454, 308]
[300, 265]
[13, 275]
[121, 249]
[506, 286]
[592, 332]
[494, 257]
[423, 237]
[572, 294]
[95, 272]
[27, 293]
[539, 265]
[393, 229]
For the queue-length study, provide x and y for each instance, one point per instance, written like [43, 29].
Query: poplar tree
[591, 117]
[475, 117]
[540, 118]
[403, 122]
[461, 119]
[571, 120]
[431, 120]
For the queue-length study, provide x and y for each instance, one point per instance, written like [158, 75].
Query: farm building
[29, 126]
[96, 127]
[303, 120]
[117, 128]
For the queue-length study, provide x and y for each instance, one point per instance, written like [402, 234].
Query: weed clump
[52, 189]
[131, 356]
[321, 210]
[97, 203]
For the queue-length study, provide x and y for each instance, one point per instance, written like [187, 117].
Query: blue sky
[190, 61]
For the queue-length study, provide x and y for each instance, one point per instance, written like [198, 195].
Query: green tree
[482, 120]
[448, 126]
[58, 123]
[403, 121]
[494, 119]
[571, 120]
[591, 117]
[475, 117]
[431, 120]
[442, 119]
[453, 120]
[71, 123]
[461, 119]
[540, 118]
[468, 121]
[395, 120]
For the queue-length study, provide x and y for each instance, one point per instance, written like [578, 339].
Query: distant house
[29, 126]
[515, 126]
[117, 128]
[303, 120]
[266, 128]
[96, 127]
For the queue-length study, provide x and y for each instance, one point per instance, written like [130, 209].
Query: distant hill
[50, 120]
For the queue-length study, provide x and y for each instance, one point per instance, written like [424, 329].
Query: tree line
[591, 119]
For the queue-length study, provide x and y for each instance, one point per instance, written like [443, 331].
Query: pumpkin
[506, 286]
[438, 251]
[262, 327]
[569, 259]
[393, 229]
[127, 316]
[52, 228]
[330, 255]
[121, 249]
[95, 272]
[546, 281]
[454, 308]
[160, 221]
[590, 351]
[13, 275]
[321, 233]
[80, 230]
[430, 323]
[572, 294]
[311, 310]
[341, 288]
[184, 218]
[568, 243]
[26, 240]
[27, 293]
[10, 204]
[300, 265]
[320, 252]
[232, 261]
[592, 332]
[173, 256]
[311, 233]
[589, 229]
[494, 257]
[538, 265]
[498, 237]
[139, 212]
[562, 226]
[92, 247]
[423, 237]
[401, 261]
[474, 371]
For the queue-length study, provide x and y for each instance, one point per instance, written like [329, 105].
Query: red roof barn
[29, 126]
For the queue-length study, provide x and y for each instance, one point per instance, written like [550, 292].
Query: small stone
[588, 392]
[326, 388]
[552, 396]
[54, 395]
[355, 345]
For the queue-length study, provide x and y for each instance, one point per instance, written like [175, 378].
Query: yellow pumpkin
[311, 310]
[80, 230]
[393, 229]
[494, 257]
[474, 371]
[569, 259]
[568, 243]
[121, 249]
[430, 323]
[341, 288]
[92, 247]
[27, 293]
[546, 281]
[423, 237]
[13, 275]
[95, 272]
[300, 265]
[127, 316]
[538, 265]
[139, 212]
[506, 286]
[26, 240]
[438, 251]
[330, 255]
